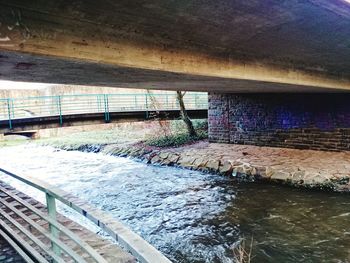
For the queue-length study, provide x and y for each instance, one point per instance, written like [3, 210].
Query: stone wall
[304, 121]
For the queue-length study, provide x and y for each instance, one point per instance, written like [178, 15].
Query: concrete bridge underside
[224, 47]
[216, 46]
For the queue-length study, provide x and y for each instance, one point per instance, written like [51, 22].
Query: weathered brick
[304, 121]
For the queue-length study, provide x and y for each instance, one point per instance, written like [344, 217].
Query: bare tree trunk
[192, 132]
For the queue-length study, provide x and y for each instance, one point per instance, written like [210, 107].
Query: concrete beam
[240, 46]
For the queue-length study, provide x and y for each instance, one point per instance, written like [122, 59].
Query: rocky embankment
[238, 168]
[328, 171]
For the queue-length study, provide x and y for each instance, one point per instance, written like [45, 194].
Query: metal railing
[19, 108]
[58, 251]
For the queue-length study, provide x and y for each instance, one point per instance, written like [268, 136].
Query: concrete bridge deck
[222, 46]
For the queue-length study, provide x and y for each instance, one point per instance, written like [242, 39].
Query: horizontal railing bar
[103, 94]
[141, 249]
[20, 251]
[57, 225]
[44, 232]
[31, 237]
[31, 251]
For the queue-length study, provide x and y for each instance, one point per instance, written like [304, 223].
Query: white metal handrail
[137, 246]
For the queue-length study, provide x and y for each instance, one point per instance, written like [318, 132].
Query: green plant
[175, 140]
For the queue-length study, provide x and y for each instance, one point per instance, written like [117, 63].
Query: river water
[195, 217]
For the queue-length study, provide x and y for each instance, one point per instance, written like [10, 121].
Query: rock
[134, 153]
[173, 157]
[341, 180]
[269, 172]
[155, 159]
[281, 176]
[225, 168]
[298, 177]
[199, 163]
[213, 165]
[259, 171]
[247, 169]
[315, 179]
[237, 170]
[186, 161]
[163, 155]
[166, 162]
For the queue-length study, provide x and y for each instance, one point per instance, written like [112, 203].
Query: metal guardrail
[19, 108]
[58, 250]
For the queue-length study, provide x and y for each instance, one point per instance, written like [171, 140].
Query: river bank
[195, 217]
[329, 171]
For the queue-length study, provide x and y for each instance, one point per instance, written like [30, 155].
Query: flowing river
[195, 217]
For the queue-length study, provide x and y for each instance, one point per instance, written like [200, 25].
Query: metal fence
[19, 108]
[38, 243]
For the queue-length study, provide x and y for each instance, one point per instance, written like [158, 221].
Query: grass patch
[166, 134]
[12, 143]
[178, 135]
[175, 140]
[75, 141]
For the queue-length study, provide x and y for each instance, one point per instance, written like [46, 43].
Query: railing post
[135, 100]
[98, 98]
[51, 209]
[59, 107]
[9, 113]
[107, 117]
[13, 109]
[167, 101]
[146, 100]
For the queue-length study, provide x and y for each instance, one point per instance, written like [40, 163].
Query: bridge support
[304, 121]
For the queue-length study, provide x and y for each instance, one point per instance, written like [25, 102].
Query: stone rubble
[300, 168]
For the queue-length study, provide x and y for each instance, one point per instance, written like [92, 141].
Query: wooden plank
[32, 237]
[43, 231]
[28, 247]
[20, 251]
[85, 246]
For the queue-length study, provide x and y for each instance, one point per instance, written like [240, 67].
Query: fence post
[146, 98]
[13, 109]
[98, 99]
[167, 101]
[51, 209]
[59, 107]
[107, 117]
[9, 113]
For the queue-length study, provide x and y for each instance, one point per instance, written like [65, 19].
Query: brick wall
[304, 121]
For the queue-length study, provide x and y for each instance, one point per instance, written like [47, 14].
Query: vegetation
[75, 141]
[189, 125]
[161, 134]
[13, 142]
[176, 134]
[243, 253]
[175, 140]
